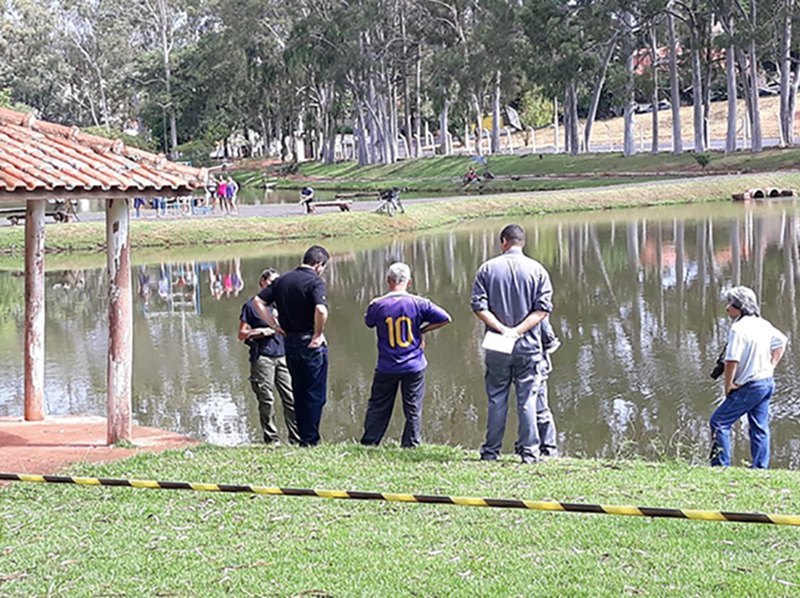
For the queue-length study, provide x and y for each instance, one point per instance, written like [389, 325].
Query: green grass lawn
[90, 541]
[443, 174]
[562, 164]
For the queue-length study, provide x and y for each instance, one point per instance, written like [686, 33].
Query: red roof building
[40, 161]
[47, 160]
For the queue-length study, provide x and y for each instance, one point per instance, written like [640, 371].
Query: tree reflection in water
[638, 310]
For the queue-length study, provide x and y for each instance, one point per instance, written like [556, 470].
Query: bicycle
[390, 201]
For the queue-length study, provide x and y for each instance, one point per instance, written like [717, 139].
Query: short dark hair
[316, 255]
[267, 273]
[513, 234]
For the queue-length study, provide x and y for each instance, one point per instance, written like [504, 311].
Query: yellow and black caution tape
[464, 501]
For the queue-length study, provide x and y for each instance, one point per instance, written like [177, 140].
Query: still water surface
[637, 307]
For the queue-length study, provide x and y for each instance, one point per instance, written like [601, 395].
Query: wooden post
[120, 320]
[34, 310]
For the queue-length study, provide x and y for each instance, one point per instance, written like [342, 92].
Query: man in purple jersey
[400, 319]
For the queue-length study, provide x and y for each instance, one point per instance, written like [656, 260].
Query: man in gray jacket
[512, 294]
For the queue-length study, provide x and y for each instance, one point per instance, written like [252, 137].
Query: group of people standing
[225, 191]
[284, 325]
[512, 295]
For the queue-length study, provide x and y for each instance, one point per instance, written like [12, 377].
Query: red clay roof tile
[42, 156]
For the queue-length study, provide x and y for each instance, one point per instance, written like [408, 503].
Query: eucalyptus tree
[779, 45]
[746, 30]
[32, 60]
[449, 33]
[727, 44]
[696, 15]
[674, 82]
[572, 44]
[496, 53]
[101, 52]
[786, 17]
[163, 27]
[556, 33]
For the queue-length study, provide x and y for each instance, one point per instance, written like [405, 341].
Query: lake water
[637, 307]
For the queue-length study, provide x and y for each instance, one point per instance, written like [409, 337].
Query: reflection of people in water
[144, 285]
[187, 274]
[163, 282]
[227, 283]
[236, 277]
[215, 281]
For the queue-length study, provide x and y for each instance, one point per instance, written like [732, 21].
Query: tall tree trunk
[165, 32]
[496, 117]
[443, 125]
[572, 108]
[709, 63]
[654, 98]
[730, 71]
[674, 88]
[418, 112]
[478, 124]
[410, 147]
[598, 90]
[744, 77]
[361, 134]
[697, 94]
[757, 142]
[786, 116]
[793, 102]
[629, 141]
[567, 119]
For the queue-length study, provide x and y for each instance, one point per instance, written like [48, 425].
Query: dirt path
[50, 446]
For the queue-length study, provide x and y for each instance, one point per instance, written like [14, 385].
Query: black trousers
[381, 404]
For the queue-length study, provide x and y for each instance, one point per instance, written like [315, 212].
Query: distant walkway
[293, 209]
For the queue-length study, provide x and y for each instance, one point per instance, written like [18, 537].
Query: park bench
[342, 204]
[17, 215]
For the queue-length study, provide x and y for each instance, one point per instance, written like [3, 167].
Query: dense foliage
[254, 76]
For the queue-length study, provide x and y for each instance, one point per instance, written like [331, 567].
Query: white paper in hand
[494, 341]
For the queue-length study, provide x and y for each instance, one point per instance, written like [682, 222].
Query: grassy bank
[563, 164]
[211, 232]
[533, 172]
[73, 541]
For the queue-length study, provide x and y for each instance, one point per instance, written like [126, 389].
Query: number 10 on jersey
[397, 328]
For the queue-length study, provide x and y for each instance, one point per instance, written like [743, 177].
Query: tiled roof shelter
[55, 161]
[41, 161]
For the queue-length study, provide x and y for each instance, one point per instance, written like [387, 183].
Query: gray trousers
[525, 374]
[267, 375]
[545, 424]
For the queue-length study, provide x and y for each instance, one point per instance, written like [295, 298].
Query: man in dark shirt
[268, 370]
[300, 296]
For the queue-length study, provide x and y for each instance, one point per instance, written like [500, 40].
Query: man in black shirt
[300, 296]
